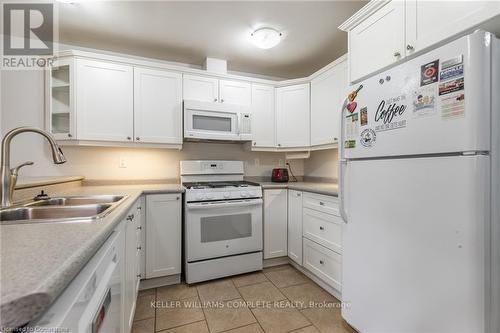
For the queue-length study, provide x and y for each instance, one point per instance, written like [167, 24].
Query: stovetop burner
[220, 184]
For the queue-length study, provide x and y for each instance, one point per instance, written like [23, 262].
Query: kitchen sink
[76, 200]
[62, 209]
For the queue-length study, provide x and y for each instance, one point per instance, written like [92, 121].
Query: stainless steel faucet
[9, 176]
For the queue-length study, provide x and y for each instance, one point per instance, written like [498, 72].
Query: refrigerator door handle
[343, 214]
[342, 163]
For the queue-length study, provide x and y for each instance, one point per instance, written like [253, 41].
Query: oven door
[210, 125]
[222, 228]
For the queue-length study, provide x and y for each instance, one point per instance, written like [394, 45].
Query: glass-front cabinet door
[60, 110]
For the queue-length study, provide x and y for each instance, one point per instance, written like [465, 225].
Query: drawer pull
[139, 276]
[321, 262]
[321, 228]
[139, 248]
[139, 228]
[321, 203]
[130, 217]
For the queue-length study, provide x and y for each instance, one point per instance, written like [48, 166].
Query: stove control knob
[227, 195]
[244, 194]
[209, 196]
[199, 196]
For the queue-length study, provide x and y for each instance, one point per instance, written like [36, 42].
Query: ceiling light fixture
[266, 38]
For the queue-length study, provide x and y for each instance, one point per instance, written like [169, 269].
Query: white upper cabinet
[263, 116]
[328, 91]
[292, 116]
[200, 88]
[378, 41]
[428, 22]
[384, 32]
[235, 92]
[157, 106]
[104, 102]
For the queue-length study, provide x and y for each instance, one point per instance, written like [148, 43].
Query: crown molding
[363, 13]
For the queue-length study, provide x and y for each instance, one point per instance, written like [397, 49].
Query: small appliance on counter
[280, 175]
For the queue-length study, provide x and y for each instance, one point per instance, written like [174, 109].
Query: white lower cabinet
[163, 235]
[275, 223]
[324, 229]
[324, 263]
[132, 265]
[295, 226]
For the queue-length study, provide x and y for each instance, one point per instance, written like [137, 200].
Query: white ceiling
[188, 32]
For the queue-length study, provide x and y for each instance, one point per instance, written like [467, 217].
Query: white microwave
[216, 121]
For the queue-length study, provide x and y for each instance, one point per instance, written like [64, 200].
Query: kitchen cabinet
[324, 263]
[377, 41]
[157, 106]
[384, 32]
[104, 101]
[200, 88]
[295, 226]
[328, 91]
[263, 116]
[60, 101]
[293, 116]
[429, 22]
[132, 265]
[163, 235]
[275, 223]
[235, 92]
[208, 89]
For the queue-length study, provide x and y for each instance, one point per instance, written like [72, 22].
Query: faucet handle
[15, 171]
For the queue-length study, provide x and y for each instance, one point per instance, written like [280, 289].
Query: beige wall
[22, 104]
[322, 163]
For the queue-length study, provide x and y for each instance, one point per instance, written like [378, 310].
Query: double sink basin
[62, 209]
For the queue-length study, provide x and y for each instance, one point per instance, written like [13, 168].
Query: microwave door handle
[197, 206]
[238, 123]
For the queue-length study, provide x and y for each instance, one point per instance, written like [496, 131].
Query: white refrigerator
[419, 191]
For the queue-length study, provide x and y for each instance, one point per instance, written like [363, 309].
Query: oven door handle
[219, 204]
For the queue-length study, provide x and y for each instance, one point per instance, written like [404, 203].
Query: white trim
[363, 13]
[117, 144]
[160, 282]
[332, 291]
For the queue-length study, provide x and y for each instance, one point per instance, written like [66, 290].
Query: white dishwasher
[92, 302]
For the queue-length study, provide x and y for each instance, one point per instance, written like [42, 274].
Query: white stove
[223, 220]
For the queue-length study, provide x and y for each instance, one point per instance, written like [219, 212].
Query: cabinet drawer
[324, 263]
[323, 203]
[325, 229]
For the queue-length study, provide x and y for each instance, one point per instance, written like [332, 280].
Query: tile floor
[279, 299]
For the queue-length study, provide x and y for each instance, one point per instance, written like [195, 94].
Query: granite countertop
[326, 188]
[39, 260]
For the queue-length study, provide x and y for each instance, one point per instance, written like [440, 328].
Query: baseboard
[160, 282]
[275, 262]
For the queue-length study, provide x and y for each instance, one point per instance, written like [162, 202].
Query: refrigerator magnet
[429, 73]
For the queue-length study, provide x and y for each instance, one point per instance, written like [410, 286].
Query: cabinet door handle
[321, 203]
[139, 208]
[409, 47]
[222, 100]
[397, 54]
[298, 194]
[138, 138]
[321, 228]
[70, 135]
[177, 198]
[139, 276]
[130, 217]
[321, 262]
[139, 248]
[279, 144]
[254, 143]
[335, 139]
[129, 138]
[139, 228]
[215, 99]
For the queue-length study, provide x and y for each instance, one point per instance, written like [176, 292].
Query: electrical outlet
[122, 163]
[256, 162]
[280, 162]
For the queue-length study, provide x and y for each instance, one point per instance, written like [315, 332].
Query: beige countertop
[307, 186]
[39, 260]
